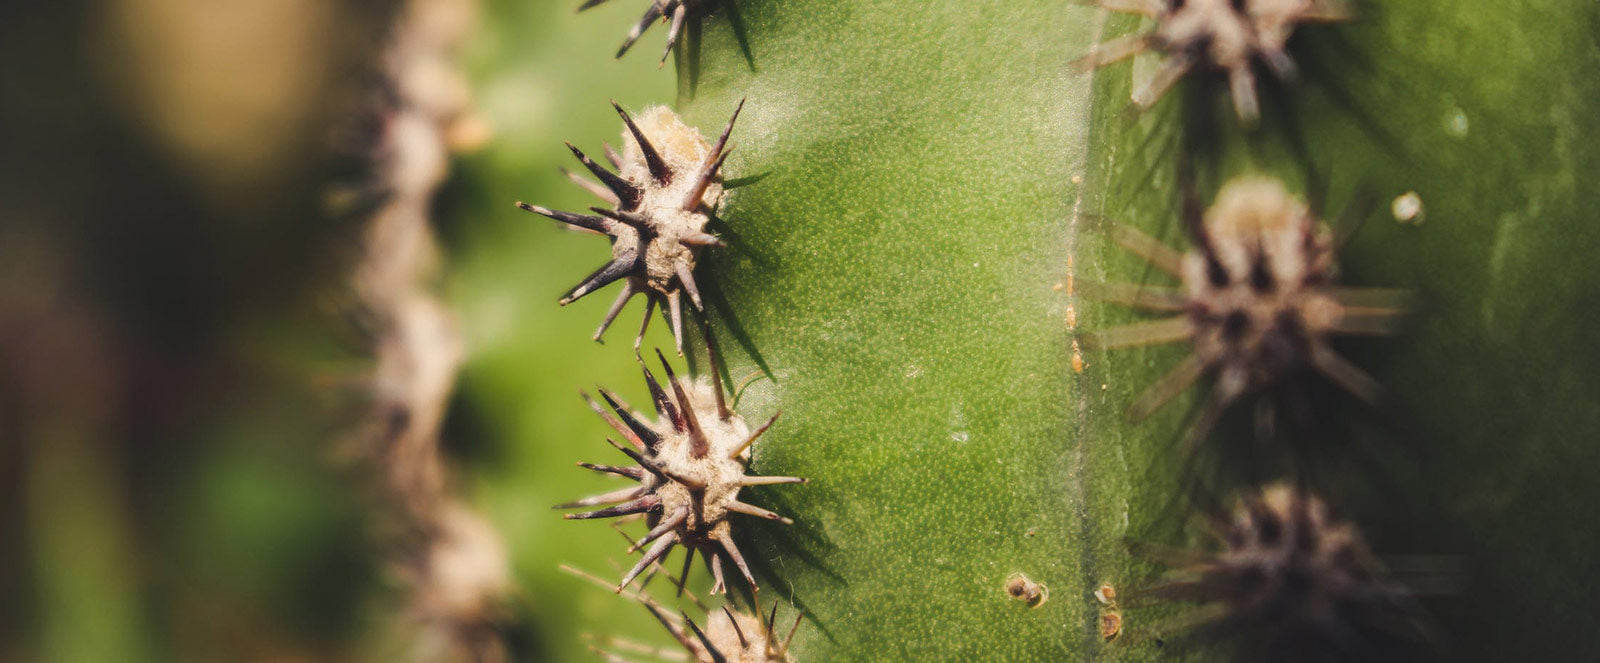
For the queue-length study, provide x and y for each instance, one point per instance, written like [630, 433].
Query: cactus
[916, 214]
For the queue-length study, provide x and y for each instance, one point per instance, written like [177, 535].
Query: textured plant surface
[903, 270]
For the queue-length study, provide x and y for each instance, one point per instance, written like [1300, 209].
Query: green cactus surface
[920, 189]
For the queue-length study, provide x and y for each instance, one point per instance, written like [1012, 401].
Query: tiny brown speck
[1021, 588]
[1106, 594]
[1110, 625]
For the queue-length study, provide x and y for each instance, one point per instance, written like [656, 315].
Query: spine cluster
[1258, 300]
[689, 459]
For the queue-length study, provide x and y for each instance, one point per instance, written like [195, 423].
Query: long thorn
[713, 162]
[612, 497]
[627, 193]
[686, 277]
[652, 158]
[714, 362]
[675, 305]
[598, 191]
[640, 505]
[634, 220]
[650, 16]
[612, 421]
[704, 641]
[792, 630]
[738, 559]
[649, 465]
[744, 643]
[1242, 83]
[678, 16]
[630, 472]
[664, 405]
[752, 510]
[688, 558]
[753, 436]
[1111, 52]
[702, 239]
[627, 293]
[583, 221]
[1167, 388]
[1173, 68]
[657, 551]
[698, 447]
[1155, 332]
[1154, 298]
[644, 325]
[601, 278]
[661, 529]
[771, 480]
[649, 437]
[1164, 257]
[1347, 375]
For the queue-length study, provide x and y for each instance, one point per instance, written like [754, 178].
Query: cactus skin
[895, 265]
[928, 211]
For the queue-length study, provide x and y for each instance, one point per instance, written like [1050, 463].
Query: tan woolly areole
[743, 638]
[720, 471]
[683, 150]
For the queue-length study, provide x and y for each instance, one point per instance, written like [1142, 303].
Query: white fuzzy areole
[684, 151]
[719, 470]
[1253, 220]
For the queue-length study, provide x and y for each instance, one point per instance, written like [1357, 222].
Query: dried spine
[690, 467]
[667, 185]
[1227, 36]
[675, 11]
[1258, 301]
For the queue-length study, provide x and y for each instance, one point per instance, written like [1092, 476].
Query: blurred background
[282, 374]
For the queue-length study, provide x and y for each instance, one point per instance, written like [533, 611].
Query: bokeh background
[176, 351]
